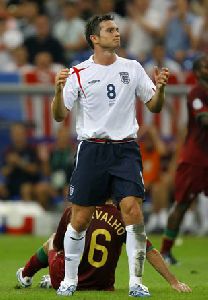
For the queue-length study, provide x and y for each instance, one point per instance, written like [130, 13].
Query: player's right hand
[181, 287]
[60, 79]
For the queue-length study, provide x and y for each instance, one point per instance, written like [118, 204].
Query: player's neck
[104, 57]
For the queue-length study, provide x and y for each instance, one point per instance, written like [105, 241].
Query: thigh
[90, 179]
[127, 173]
[122, 188]
[56, 267]
[128, 162]
[189, 181]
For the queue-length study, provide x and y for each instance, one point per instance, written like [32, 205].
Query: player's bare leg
[171, 232]
[131, 209]
[74, 242]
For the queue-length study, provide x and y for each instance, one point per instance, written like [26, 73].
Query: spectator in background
[28, 12]
[10, 38]
[108, 7]
[45, 65]
[53, 9]
[58, 163]
[160, 6]
[19, 61]
[21, 165]
[201, 31]
[15, 5]
[61, 159]
[3, 189]
[144, 26]
[178, 31]
[156, 185]
[70, 30]
[160, 59]
[86, 8]
[44, 41]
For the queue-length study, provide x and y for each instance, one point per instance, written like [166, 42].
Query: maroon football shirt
[195, 148]
[104, 239]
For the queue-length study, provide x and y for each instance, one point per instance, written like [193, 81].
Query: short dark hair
[93, 26]
[197, 63]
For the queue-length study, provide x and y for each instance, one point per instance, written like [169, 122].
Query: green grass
[193, 270]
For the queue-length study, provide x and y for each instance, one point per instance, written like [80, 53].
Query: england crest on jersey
[124, 77]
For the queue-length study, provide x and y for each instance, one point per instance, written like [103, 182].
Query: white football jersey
[105, 97]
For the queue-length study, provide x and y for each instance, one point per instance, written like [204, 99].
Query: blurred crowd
[167, 33]
[47, 35]
[32, 172]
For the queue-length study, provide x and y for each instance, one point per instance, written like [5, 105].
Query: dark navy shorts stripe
[106, 170]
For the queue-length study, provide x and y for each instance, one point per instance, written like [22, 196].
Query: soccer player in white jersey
[108, 162]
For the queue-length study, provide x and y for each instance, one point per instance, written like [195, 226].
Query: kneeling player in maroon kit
[104, 239]
[192, 171]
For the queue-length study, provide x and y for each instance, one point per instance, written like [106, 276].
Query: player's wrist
[58, 90]
[173, 282]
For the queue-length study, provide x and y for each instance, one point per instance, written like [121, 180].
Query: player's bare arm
[157, 261]
[161, 78]
[59, 110]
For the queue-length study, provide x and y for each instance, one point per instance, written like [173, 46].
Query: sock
[189, 225]
[38, 261]
[168, 240]
[136, 252]
[152, 222]
[73, 247]
[162, 218]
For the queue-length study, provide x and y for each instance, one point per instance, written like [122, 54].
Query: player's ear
[94, 38]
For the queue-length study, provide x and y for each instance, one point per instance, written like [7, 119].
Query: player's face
[109, 37]
[204, 70]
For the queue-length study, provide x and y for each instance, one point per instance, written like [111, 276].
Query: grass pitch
[14, 251]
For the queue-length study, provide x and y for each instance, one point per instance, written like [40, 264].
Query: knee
[79, 223]
[81, 219]
[131, 212]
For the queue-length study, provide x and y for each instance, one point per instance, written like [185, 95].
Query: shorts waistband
[106, 141]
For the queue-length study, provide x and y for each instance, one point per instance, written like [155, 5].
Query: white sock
[189, 223]
[73, 247]
[152, 222]
[162, 218]
[203, 211]
[136, 252]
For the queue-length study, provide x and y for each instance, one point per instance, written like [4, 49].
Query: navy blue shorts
[104, 171]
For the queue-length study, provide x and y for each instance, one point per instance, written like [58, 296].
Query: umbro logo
[93, 81]
[68, 258]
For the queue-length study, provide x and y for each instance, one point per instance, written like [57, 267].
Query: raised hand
[161, 77]
[60, 79]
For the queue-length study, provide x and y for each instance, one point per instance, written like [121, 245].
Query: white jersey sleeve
[70, 92]
[145, 88]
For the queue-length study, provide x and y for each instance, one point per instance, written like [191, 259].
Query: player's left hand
[181, 287]
[161, 77]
